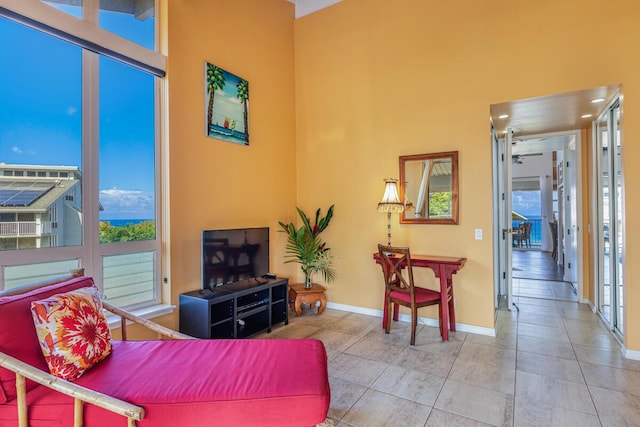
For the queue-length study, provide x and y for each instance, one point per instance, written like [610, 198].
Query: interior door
[504, 217]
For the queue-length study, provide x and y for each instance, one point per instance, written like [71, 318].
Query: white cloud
[16, 149]
[71, 110]
[127, 204]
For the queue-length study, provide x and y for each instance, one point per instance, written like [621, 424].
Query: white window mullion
[83, 32]
[90, 169]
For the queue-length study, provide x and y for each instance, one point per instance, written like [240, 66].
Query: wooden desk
[444, 268]
[299, 294]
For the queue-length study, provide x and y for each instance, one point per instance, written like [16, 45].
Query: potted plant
[305, 247]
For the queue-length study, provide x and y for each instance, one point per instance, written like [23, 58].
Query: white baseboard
[630, 354]
[462, 327]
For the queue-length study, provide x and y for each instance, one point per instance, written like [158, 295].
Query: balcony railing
[24, 228]
[536, 229]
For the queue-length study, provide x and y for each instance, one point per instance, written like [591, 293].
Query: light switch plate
[478, 233]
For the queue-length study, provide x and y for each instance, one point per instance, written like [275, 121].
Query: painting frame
[226, 111]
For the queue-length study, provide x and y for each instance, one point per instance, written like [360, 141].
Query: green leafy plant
[305, 247]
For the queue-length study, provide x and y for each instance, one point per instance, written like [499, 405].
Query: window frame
[95, 42]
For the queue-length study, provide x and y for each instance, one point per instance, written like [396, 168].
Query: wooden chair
[401, 290]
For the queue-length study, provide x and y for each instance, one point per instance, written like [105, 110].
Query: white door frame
[578, 255]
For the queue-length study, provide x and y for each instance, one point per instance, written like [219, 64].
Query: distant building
[40, 206]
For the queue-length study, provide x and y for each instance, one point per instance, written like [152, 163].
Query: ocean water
[123, 222]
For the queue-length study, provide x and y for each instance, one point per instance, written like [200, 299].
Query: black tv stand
[235, 310]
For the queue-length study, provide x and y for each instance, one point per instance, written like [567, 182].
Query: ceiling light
[586, 116]
[503, 116]
[597, 100]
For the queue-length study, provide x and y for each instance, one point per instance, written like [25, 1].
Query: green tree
[145, 230]
[243, 95]
[439, 204]
[215, 81]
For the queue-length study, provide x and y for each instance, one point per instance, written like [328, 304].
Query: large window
[79, 146]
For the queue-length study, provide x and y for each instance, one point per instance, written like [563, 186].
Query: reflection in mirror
[429, 188]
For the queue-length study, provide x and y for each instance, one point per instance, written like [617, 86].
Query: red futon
[177, 383]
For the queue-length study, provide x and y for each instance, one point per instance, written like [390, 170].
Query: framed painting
[226, 105]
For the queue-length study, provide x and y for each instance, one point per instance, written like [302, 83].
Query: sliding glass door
[610, 215]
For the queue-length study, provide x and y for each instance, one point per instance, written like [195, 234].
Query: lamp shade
[390, 200]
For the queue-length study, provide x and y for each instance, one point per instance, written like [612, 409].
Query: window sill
[145, 313]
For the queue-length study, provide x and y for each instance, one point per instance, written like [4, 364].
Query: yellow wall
[216, 184]
[373, 81]
[376, 80]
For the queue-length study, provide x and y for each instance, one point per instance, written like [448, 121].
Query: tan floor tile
[616, 408]
[546, 347]
[376, 409]
[605, 356]
[550, 366]
[356, 369]
[612, 378]
[554, 392]
[343, 395]
[374, 350]
[490, 355]
[334, 340]
[400, 333]
[424, 361]
[356, 324]
[543, 310]
[417, 386]
[544, 332]
[535, 414]
[439, 418]
[484, 375]
[429, 339]
[296, 330]
[593, 338]
[477, 403]
[540, 319]
[507, 341]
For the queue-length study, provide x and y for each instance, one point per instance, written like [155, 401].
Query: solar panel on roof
[18, 198]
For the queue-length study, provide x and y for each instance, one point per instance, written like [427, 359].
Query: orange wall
[216, 184]
[375, 81]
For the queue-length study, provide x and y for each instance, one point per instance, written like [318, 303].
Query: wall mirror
[429, 188]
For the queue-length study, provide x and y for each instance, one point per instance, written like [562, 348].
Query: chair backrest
[393, 261]
[526, 228]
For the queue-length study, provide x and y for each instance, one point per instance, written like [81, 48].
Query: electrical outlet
[478, 233]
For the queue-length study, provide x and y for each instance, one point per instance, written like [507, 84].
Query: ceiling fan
[518, 158]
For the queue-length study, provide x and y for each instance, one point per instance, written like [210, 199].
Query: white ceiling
[305, 7]
[554, 113]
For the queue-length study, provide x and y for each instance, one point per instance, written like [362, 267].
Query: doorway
[540, 210]
[541, 122]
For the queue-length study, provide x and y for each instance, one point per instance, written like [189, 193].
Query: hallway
[536, 275]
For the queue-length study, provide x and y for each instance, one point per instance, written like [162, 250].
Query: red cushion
[201, 382]
[20, 339]
[422, 295]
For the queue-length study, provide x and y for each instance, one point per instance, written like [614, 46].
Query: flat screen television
[232, 255]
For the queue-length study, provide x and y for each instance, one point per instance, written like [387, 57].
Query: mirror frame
[453, 155]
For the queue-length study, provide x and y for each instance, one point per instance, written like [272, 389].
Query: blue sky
[527, 203]
[41, 112]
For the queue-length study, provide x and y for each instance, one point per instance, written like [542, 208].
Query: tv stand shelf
[236, 310]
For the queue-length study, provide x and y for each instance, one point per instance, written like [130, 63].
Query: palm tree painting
[226, 105]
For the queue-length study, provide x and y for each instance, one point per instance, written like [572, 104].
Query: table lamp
[390, 203]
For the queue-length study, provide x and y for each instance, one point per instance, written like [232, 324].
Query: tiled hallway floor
[551, 364]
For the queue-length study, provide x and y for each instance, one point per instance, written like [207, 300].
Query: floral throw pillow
[73, 332]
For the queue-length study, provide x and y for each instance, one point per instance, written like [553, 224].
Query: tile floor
[551, 364]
